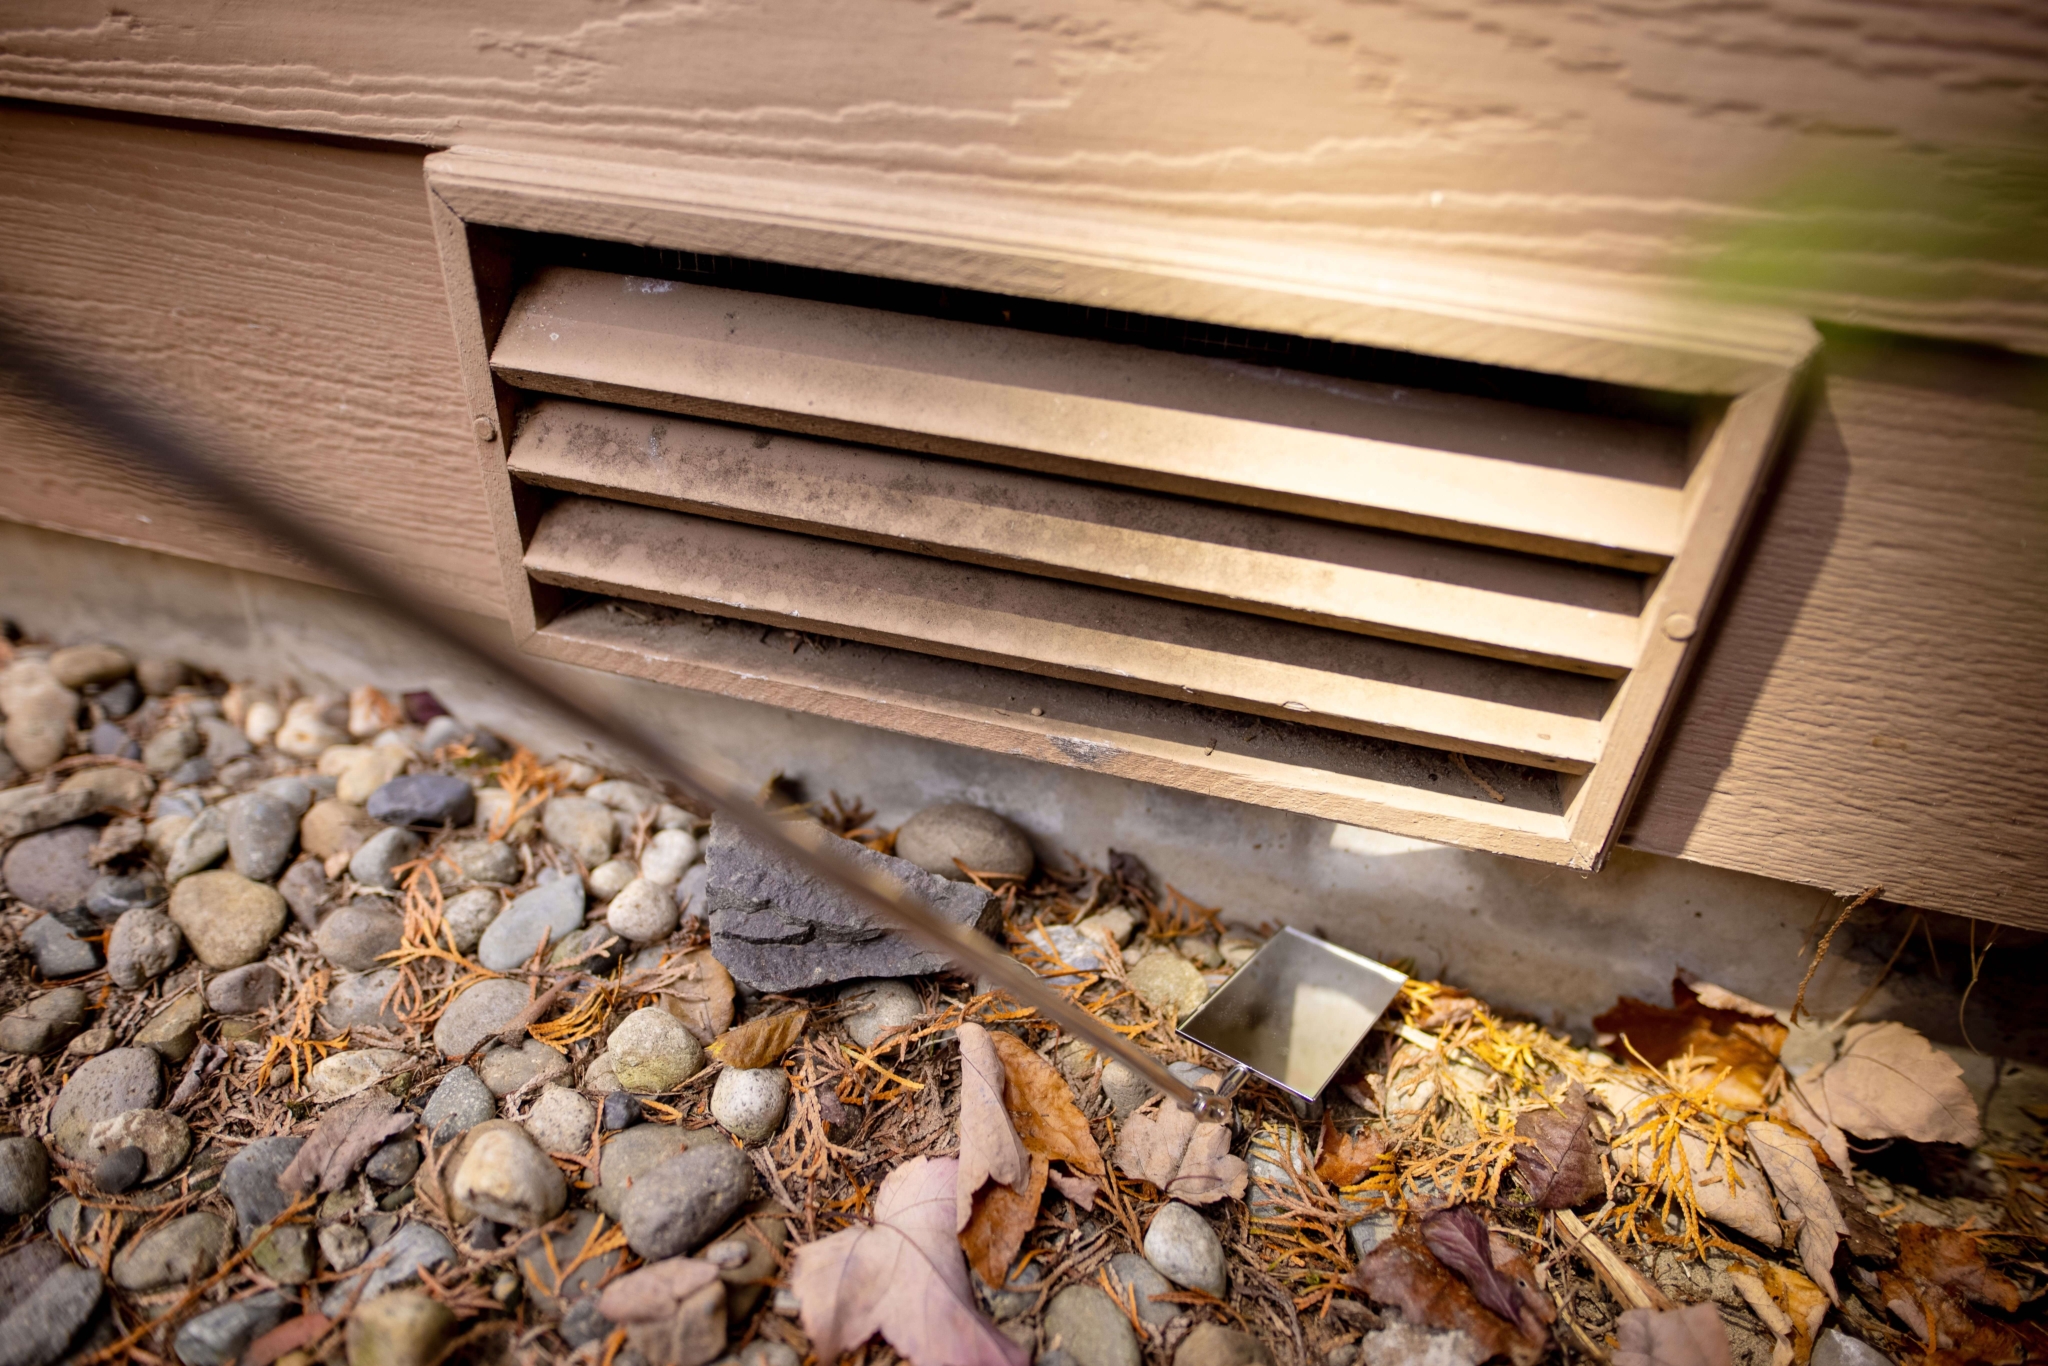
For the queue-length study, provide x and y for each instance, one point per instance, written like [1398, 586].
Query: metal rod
[151, 444]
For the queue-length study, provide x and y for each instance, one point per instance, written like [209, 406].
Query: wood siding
[1868, 710]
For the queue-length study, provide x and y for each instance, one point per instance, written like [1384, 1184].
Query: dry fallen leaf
[1560, 1161]
[1745, 1047]
[902, 1276]
[1727, 1189]
[1191, 1162]
[760, 1043]
[1346, 1158]
[1041, 1107]
[1001, 1219]
[1404, 1273]
[1767, 1309]
[673, 1311]
[654, 1291]
[1889, 1082]
[1458, 1238]
[1803, 1197]
[343, 1141]
[1954, 1261]
[1082, 1190]
[1720, 998]
[1793, 1110]
[989, 1147]
[703, 999]
[1692, 1336]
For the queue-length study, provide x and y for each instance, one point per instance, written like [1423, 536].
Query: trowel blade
[1295, 1010]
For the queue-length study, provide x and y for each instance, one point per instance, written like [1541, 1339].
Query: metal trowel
[1293, 1013]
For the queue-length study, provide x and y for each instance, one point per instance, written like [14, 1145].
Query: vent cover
[1393, 587]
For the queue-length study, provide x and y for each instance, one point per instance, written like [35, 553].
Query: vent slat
[1431, 592]
[1603, 490]
[1336, 679]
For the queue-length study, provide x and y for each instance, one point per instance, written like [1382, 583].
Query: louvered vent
[1397, 589]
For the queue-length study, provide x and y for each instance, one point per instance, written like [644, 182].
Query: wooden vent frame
[1448, 613]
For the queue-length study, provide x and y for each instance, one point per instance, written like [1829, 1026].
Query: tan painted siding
[1869, 710]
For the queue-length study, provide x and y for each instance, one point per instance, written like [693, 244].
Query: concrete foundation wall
[1556, 944]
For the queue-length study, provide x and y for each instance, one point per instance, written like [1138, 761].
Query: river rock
[493, 804]
[400, 1328]
[249, 1180]
[307, 889]
[174, 1030]
[482, 1009]
[262, 829]
[226, 918]
[112, 1084]
[114, 894]
[413, 1246]
[53, 871]
[582, 827]
[119, 699]
[47, 1300]
[1123, 1087]
[225, 742]
[668, 856]
[1141, 1280]
[374, 863]
[939, 839]
[204, 843]
[748, 1103]
[57, 950]
[80, 666]
[879, 1006]
[423, 799]
[1065, 944]
[164, 1139]
[179, 1253]
[777, 929]
[610, 878]
[1169, 983]
[675, 1207]
[393, 1164]
[652, 1052]
[628, 798]
[469, 914]
[106, 738]
[486, 861]
[244, 990]
[358, 935]
[219, 1336]
[43, 1023]
[622, 1110]
[121, 1170]
[503, 1175]
[340, 1075]
[561, 1120]
[459, 1104]
[24, 1176]
[644, 911]
[632, 1153]
[172, 746]
[1084, 1327]
[362, 1000]
[27, 810]
[309, 727]
[549, 912]
[333, 826]
[142, 946]
[505, 1070]
[112, 788]
[1182, 1247]
[39, 712]
[360, 770]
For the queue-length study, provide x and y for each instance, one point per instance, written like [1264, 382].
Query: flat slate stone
[58, 952]
[777, 929]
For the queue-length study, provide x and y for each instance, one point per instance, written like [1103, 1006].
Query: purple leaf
[1458, 1238]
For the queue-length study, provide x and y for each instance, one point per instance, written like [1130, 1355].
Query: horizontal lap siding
[277, 296]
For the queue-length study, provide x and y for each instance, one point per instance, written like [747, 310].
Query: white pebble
[668, 855]
[610, 878]
[643, 912]
[748, 1103]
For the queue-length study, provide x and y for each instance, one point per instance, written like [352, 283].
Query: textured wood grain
[1844, 157]
[1871, 707]
[278, 297]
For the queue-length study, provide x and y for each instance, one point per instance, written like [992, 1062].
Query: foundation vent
[1400, 588]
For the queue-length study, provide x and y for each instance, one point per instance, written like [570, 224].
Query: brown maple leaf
[1346, 1158]
[902, 1276]
[1732, 1042]
[759, 1043]
[1041, 1107]
[1803, 1198]
[1889, 1082]
[1692, 1336]
[1001, 1219]
[1558, 1158]
[1162, 1144]
[989, 1147]
[343, 1141]
[1403, 1272]
[703, 1000]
